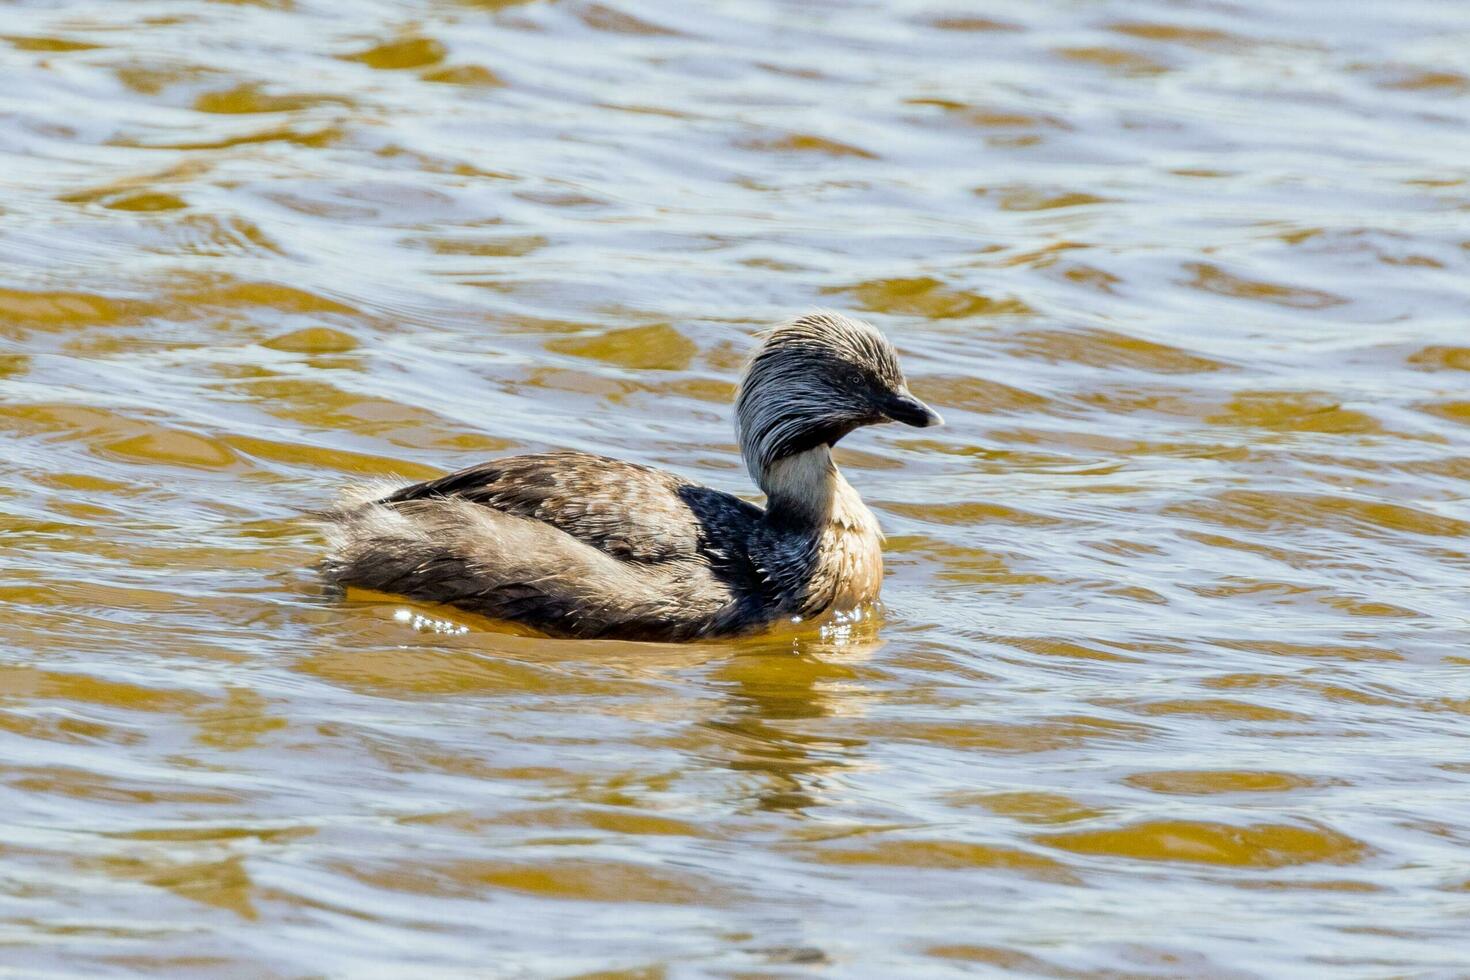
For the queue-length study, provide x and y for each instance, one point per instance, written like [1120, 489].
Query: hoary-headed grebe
[585, 546]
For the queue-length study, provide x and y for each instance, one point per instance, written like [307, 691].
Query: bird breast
[848, 570]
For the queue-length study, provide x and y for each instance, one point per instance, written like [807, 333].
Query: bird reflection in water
[777, 694]
[769, 708]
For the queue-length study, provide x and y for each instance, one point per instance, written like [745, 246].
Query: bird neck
[806, 490]
[837, 559]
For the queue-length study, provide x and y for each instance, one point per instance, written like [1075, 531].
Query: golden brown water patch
[929, 297]
[976, 394]
[946, 854]
[252, 97]
[169, 447]
[79, 784]
[991, 116]
[1214, 279]
[1041, 199]
[1289, 411]
[361, 465]
[1030, 806]
[60, 310]
[1441, 357]
[53, 45]
[809, 143]
[469, 76]
[611, 820]
[1219, 709]
[658, 347]
[608, 18]
[1256, 510]
[1188, 782]
[1176, 33]
[276, 296]
[1377, 695]
[1202, 842]
[313, 340]
[1021, 737]
[146, 201]
[1052, 646]
[1437, 81]
[317, 138]
[583, 880]
[1452, 411]
[24, 682]
[973, 512]
[1105, 348]
[224, 883]
[969, 24]
[411, 52]
[430, 672]
[1113, 60]
[502, 246]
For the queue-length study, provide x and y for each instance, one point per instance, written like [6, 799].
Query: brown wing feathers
[629, 511]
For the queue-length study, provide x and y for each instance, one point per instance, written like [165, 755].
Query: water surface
[1173, 679]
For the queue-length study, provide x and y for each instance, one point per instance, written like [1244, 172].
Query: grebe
[578, 545]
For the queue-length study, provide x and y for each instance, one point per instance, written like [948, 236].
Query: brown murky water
[1174, 679]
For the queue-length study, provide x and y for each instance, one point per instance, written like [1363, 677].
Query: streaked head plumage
[813, 381]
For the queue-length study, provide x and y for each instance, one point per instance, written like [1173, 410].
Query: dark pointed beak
[904, 407]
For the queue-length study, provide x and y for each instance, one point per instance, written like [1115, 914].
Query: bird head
[812, 382]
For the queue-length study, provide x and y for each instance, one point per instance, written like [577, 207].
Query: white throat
[803, 483]
[808, 486]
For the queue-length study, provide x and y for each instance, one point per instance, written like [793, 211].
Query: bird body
[580, 545]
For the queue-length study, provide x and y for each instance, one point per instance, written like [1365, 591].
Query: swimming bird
[579, 545]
